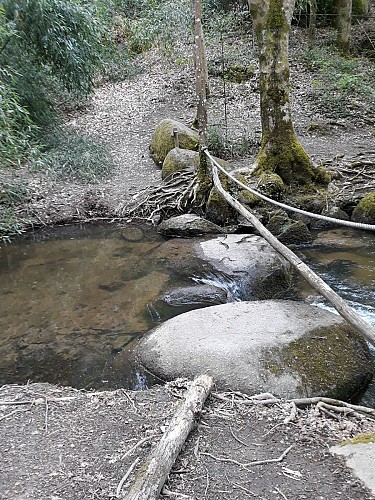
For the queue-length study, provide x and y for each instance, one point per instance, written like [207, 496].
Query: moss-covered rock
[271, 184]
[289, 231]
[239, 74]
[244, 196]
[163, 141]
[322, 176]
[287, 348]
[360, 7]
[365, 210]
[178, 160]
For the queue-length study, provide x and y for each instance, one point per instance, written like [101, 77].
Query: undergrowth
[343, 85]
[76, 157]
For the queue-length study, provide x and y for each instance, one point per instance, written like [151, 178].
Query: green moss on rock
[178, 160]
[239, 74]
[360, 7]
[163, 141]
[365, 210]
[312, 357]
[271, 184]
[365, 438]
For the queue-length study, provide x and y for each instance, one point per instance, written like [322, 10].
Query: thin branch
[125, 477]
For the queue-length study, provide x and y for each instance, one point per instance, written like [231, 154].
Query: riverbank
[61, 443]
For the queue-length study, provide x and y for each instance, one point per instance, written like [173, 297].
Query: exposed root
[164, 200]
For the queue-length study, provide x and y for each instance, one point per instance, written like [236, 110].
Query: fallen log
[315, 281]
[154, 472]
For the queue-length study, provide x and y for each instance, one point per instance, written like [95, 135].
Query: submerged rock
[163, 141]
[244, 264]
[187, 225]
[198, 296]
[288, 348]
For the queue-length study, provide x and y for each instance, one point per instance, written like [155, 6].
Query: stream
[75, 299]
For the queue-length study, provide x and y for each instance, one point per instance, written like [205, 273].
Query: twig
[46, 417]
[237, 438]
[13, 412]
[37, 401]
[133, 448]
[280, 493]
[125, 477]
[250, 464]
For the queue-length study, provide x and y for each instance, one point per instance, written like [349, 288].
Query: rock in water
[187, 225]
[290, 349]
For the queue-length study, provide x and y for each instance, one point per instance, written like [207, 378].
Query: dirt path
[64, 444]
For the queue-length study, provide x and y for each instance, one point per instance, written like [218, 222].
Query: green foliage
[61, 35]
[74, 156]
[342, 85]
[229, 147]
[10, 224]
[12, 193]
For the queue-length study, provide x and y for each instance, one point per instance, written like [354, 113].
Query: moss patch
[365, 210]
[365, 438]
[333, 362]
[285, 157]
[239, 74]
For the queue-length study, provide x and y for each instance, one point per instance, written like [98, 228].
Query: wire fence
[234, 121]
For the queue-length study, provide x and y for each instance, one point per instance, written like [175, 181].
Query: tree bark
[156, 469]
[344, 14]
[280, 151]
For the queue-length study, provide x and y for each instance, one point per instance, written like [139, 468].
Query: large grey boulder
[162, 140]
[187, 225]
[246, 265]
[288, 348]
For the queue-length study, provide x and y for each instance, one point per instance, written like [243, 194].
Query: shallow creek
[74, 300]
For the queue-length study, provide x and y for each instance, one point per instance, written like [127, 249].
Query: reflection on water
[72, 302]
[345, 259]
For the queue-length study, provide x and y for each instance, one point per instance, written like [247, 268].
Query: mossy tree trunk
[204, 175]
[280, 151]
[344, 15]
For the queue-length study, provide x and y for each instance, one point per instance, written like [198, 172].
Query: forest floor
[80, 448]
[60, 443]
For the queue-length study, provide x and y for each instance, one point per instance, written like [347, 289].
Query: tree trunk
[344, 14]
[280, 151]
[312, 21]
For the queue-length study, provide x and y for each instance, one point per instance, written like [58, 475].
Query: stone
[364, 212]
[187, 225]
[246, 265]
[198, 295]
[163, 141]
[333, 212]
[290, 349]
[360, 457]
[287, 230]
[178, 160]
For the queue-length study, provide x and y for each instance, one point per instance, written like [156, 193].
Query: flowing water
[74, 300]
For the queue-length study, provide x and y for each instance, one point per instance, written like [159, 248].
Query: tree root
[170, 198]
